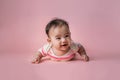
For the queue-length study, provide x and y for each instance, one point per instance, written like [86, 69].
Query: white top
[46, 50]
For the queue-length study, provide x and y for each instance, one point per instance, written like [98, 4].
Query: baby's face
[60, 38]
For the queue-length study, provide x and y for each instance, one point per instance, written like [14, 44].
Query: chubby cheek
[57, 46]
[56, 43]
[69, 41]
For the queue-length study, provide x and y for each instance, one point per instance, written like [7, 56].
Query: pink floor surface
[100, 67]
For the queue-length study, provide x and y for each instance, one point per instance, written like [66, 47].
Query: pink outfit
[46, 50]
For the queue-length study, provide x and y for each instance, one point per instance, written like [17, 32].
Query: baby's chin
[66, 48]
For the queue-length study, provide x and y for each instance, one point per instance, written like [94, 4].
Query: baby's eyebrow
[57, 35]
[67, 33]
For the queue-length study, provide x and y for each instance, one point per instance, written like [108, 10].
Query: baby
[60, 46]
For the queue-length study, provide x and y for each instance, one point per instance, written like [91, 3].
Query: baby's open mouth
[64, 45]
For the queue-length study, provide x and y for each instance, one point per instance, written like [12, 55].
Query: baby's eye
[67, 36]
[58, 38]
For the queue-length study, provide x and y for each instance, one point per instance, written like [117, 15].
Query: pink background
[93, 23]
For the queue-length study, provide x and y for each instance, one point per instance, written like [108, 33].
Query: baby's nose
[63, 40]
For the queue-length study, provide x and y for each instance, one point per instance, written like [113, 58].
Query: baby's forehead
[59, 30]
[63, 27]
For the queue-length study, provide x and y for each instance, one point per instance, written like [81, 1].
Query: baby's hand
[36, 59]
[85, 58]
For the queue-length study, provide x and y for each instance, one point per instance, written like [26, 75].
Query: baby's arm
[83, 54]
[37, 58]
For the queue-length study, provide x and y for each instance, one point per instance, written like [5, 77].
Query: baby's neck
[60, 52]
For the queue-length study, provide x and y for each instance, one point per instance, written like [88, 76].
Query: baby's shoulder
[46, 47]
[75, 46]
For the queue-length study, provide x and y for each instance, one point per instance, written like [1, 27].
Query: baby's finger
[34, 60]
[86, 58]
[37, 62]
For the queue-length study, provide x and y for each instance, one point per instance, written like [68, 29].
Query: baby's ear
[48, 40]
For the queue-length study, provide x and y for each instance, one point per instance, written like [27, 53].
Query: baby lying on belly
[60, 46]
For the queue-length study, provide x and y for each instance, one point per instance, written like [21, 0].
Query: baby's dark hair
[55, 23]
